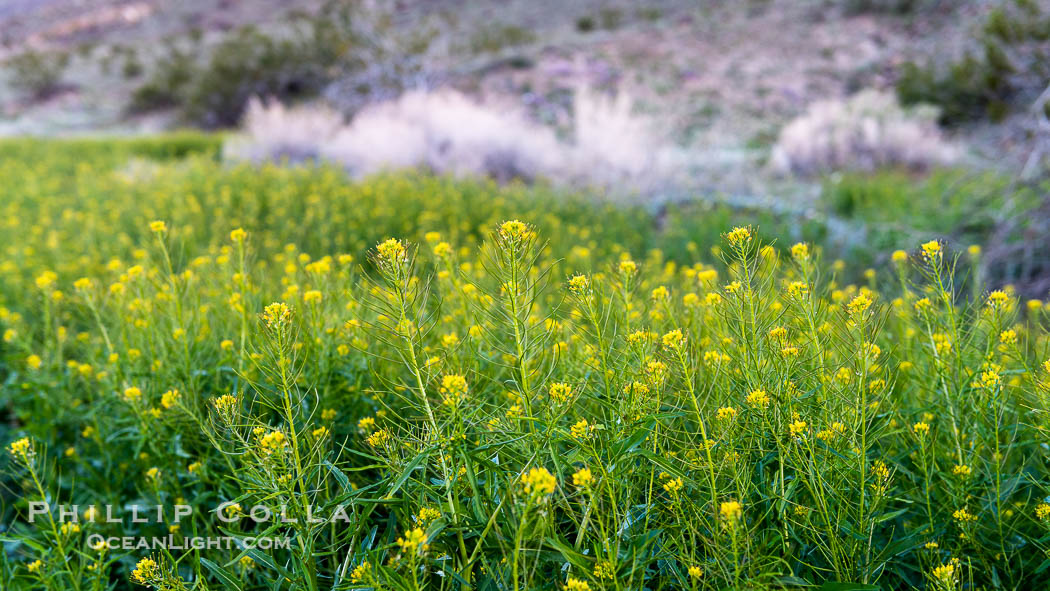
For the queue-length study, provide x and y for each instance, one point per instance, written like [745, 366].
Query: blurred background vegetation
[864, 125]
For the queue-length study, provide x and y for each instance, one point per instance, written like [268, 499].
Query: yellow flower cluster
[758, 399]
[392, 251]
[21, 447]
[539, 481]
[360, 573]
[276, 315]
[931, 250]
[582, 478]
[731, 510]
[513, 230]
[225, 403]
[674, 486]
[170, 398]
[726, 413]
[560, 392]
[738, 236]
[944, 573]
[271, 442]
[580, 429]
[414, 542]
[453, 389]
[146, 572]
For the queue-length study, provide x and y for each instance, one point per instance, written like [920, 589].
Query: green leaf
[832, 586]
[631, 443]
[340, 477]
[570, 554]
[890, 515]
[664, 465]
[792, 581]
[228, 580]
[407, 472]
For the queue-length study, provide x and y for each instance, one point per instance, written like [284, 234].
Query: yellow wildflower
[169, 398]
[731, 510]
[931, 250]
[800, 251]
[739, 236]
[513, 230]
[146, 571]
[276, 314]
[582, 478]
[539, 481]
[560, 392]
[758, 399]
[414, 541]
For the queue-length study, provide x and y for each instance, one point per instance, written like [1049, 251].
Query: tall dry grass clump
[275, 132]
[868, 131]
[615, 146]
[609, 145]
[448, 133]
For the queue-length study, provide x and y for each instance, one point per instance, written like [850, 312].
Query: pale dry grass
[870, 130]
[274, 132]
[609, 146]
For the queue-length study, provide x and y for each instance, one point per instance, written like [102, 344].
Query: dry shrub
[449, 133]
[866, 132]
[616, 147]
[273, 132]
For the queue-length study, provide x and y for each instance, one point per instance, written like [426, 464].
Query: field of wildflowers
[449, 384]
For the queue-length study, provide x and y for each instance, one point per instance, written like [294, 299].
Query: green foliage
[898, 7]
[897, 208]
[585, 24]
[490, 39]
[352, 215]
[247, 63]
[611, 18]
[1017, 22]
[36, 74]
[550, 403]
[596, 396]
[971, 89]
[167, 83]
[212, 85]
[983, 84]
[65, 155]
[132, 67]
